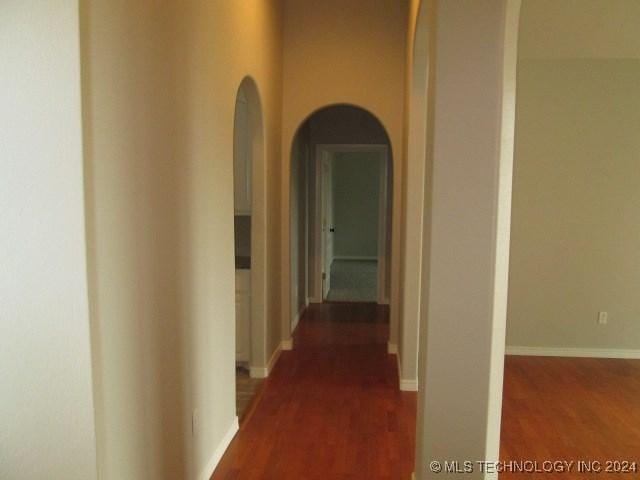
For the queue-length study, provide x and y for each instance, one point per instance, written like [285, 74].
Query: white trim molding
[208, 470]
[392, 349]
[258, 372]
[354, 257]
[263, 372]
[576, 352]
[405, 384]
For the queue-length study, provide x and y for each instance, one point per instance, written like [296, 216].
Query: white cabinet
[243, 315]
[242, 159]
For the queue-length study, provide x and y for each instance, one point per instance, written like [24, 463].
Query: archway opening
[250, 239]
[341, 204]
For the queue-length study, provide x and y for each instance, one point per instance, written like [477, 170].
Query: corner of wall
[211, 465]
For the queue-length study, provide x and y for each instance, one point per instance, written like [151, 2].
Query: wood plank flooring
[247, 391]
[331, 409]
[571, 409]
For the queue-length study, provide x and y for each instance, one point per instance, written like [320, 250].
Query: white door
[327, 222]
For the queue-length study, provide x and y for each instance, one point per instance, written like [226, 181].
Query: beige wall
[46, 405]
[576, 204]
[160, 82]
[344, 52]
[579, 29]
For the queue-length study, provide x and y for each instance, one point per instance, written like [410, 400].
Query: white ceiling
[580, 29]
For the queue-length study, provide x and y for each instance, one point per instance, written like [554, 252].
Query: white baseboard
[392, 348]
[263, 372]
[573, 352]
[353, 257]
[258, 372]
[313, 300]
[219, 451]
[407, 385]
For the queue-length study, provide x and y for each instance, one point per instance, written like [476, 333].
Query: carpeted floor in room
[353, 281]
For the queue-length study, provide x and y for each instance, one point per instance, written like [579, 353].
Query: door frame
[325, 274]
[384, 233]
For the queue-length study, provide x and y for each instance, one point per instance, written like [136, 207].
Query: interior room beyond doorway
[354, 187]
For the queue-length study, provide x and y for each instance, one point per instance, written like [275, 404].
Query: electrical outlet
[603, 318]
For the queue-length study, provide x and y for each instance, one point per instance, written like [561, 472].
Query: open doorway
[249, 236]
[353, 219]
[341, 200]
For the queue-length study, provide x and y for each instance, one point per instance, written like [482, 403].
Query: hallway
[331, 408]
[143, 138]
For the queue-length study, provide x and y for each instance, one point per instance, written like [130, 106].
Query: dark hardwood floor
[331, 409]
[247, 392]
[571, 409]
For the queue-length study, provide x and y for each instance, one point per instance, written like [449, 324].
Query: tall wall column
[467, 224]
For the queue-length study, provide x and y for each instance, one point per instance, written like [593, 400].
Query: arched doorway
[340, 209]
[250, 239]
